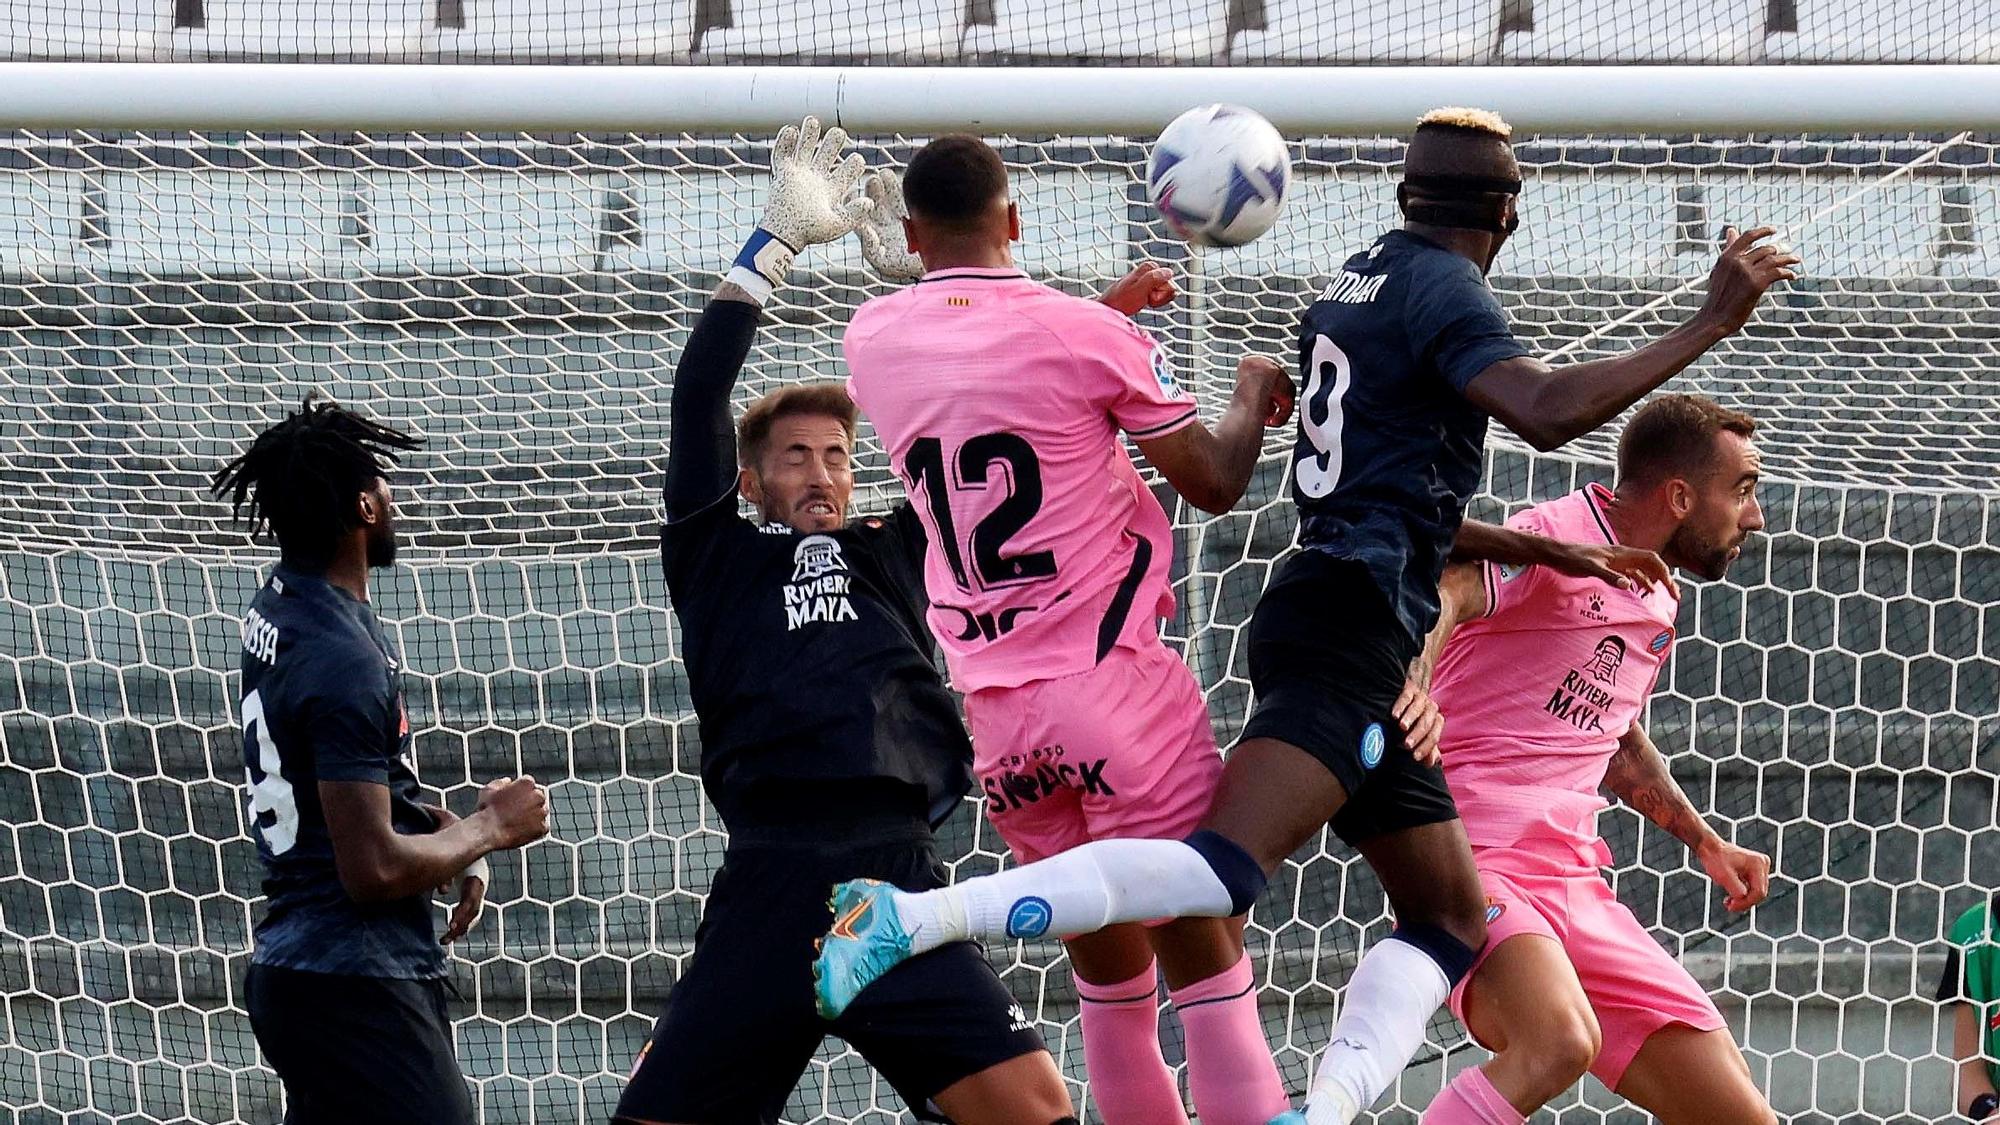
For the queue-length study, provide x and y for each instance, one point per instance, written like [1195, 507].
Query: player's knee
[1452, 953]
[1559, 1051]
[1239, 872]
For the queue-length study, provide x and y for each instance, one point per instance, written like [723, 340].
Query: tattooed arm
[1638, 774]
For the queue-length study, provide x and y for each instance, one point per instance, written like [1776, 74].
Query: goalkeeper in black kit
[830, 746]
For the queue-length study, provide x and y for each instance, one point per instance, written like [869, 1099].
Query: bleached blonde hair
[1467, 117]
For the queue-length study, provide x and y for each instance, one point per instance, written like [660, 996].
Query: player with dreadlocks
[346, 984]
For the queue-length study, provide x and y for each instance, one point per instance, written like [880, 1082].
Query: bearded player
[1542, 679]
[1001, 401]
[829, 744]
[346, 985]
[1406, 355]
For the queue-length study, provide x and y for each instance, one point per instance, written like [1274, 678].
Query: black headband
[1461, 202]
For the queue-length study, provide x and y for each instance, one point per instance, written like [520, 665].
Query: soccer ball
[1218, 175]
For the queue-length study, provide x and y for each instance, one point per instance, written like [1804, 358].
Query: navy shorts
[740, 1027]
[1328, 658]
[357, 1049]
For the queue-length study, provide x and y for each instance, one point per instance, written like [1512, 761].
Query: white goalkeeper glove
[808, 204]
[883, 244]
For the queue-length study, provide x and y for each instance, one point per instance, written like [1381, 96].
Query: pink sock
[1230, 1071]
[1471, 1100]
[1129, 1080]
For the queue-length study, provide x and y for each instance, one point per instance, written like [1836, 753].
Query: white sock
[1080, 891]
[1389, 1001]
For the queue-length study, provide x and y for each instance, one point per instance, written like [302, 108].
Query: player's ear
[1013, 221]
[1680, 498]
[366, 507]
[750, 487]
[910, 237]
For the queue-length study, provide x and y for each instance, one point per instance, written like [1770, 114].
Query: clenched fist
[517, 810]
[1265, 387]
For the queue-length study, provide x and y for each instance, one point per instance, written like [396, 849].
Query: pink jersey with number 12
[1537, 693]
[1000, 401]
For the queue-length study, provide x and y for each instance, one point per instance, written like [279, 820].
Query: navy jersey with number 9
[1389, 449]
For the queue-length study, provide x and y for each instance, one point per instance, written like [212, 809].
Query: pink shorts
[1634, 986]
[1123, 750]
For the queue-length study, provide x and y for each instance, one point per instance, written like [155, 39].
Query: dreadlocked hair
[300, 477]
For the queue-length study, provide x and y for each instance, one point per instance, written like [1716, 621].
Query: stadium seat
[1625, 31]
[1903, 31]
[453, 223]
[891, 30]
[40, 214]
[102, 31]
[1072, 224]
[1451, 31]
[1191, 31]
[220, 224]
[582, 30]
[376, 30]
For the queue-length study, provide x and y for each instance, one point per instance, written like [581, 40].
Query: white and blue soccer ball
[1218, 175]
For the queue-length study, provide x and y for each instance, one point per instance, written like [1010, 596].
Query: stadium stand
[1617, 31]
[1177, 31]
[1361, 31]
[918, 31]
[1092, 32]
[1887, 31]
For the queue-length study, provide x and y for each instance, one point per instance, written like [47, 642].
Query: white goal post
[1013, 100]
[508, 260]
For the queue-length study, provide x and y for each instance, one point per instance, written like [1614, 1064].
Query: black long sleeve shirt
[812, 671]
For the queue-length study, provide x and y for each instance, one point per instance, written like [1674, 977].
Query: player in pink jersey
[1001, 401]
[1542, 679]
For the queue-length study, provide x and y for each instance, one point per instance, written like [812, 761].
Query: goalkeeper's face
[1721, 511]
[805, 477]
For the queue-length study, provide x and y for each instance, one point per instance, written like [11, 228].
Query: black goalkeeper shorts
[1328, 658]
[740, 1027]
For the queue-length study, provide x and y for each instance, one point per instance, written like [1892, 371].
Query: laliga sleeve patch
[1372, 743]
[1029, 917]
[1163, 372]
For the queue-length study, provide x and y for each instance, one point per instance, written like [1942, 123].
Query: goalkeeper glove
[808, 204]
[883, 244]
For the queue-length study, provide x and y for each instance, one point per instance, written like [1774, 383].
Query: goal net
[521, 299]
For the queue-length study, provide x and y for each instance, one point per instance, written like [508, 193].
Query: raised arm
[1212, 468]
[809, 203]
[1639, 776]
[1549, 406]
[701, 450]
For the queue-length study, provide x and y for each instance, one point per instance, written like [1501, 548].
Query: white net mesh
[520, 300]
